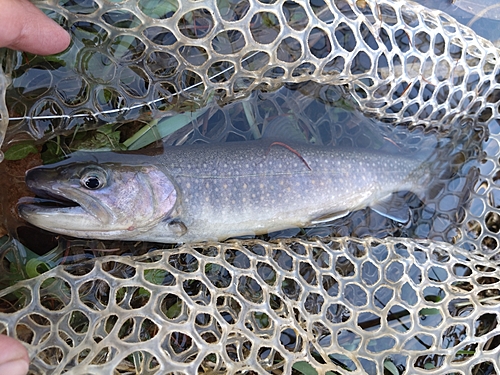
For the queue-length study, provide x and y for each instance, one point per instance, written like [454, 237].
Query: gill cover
[98, 200]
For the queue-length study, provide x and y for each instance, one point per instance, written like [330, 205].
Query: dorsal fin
[284, 128]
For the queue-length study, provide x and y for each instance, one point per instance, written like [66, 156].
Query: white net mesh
[290, 306]
[343, 305]
[401, 62]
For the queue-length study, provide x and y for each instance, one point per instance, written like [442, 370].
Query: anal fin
[330, 217]
[393, 207]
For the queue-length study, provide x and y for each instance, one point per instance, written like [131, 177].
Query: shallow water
[321, 113]
[483, 17]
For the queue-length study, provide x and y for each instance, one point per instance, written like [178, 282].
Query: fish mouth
[48, 200]
[64, 209]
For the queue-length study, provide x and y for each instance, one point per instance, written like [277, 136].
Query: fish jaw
[50, 218]
[133, 199]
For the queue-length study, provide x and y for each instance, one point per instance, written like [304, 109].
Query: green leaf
[305, 368]
[20, 150]
[52, 153]
[429, 311]
[157, 8]
[466, 352]
[391, 367]
[262, 319]
[98, 139]
[155, 276]
[429, 366]
[174, 310]
[157, 130]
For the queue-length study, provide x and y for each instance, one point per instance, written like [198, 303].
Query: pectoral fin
[330, 217]
[177, 227]
[393, 207]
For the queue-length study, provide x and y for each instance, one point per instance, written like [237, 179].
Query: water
[321, 113]
[482, 17]
[324, 116]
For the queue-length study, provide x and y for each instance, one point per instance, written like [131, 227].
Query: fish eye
[93, 179]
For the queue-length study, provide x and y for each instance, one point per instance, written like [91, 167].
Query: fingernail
[16, 367]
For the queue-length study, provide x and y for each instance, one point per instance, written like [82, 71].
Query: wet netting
[365, 296]
[339, 306]
[401, 62]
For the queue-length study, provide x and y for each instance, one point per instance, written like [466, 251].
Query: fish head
[98, 200]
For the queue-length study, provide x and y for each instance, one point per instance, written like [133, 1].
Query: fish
[204, 192]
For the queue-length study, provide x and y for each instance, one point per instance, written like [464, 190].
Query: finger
[14, 359]
[26, 28]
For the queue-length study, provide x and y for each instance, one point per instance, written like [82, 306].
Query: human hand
[14, 358]
[25, 27]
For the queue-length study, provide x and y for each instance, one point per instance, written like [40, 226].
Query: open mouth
[47, 202]
[66, 206]
[47, 199]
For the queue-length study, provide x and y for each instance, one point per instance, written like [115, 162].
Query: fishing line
[125, 109]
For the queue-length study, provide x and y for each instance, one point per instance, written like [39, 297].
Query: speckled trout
[212, 191]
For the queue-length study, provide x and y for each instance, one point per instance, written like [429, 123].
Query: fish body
[213, 191]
